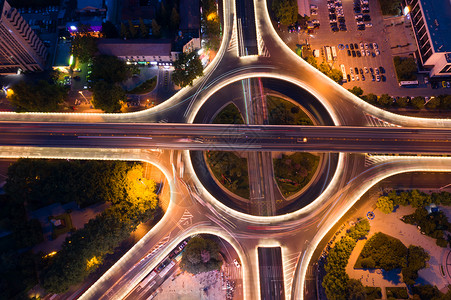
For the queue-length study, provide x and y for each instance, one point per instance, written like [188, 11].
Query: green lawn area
[145, 87]
[227, 167]
[66, 226]
[231, 171]
[294, 171]
[229, 115]
[283, 112]
[397, 292]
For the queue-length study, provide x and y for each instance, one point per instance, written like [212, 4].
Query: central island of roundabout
[263, 183]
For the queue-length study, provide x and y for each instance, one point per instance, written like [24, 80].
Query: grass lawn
[59, 230]
[145, 87]
[231, 171]
[283, 112]
[397, 292]
[229, 115]
[294, 171]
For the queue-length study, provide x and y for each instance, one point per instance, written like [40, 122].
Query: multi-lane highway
[222, 137]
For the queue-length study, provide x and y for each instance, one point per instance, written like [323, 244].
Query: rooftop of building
[437, 14]
[89, 4]
[138, 47]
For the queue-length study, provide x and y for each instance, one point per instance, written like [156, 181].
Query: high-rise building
[20, 47]
[431, 20]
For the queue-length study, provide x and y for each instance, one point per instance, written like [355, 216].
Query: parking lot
[344, 27]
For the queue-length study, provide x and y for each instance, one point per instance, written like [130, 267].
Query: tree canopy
[210, 25]
[83, 251]
[39, 182]
[109, 30]
[385, 204]
[37, 97]
[201, 255]
[187, 68]
[356, 91]
[110, 69]
[285, 11]
[336, 282]
[84, 47]
[107, 96]
[406, 68]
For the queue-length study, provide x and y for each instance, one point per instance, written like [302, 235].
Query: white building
[431, 21]
[139, 51]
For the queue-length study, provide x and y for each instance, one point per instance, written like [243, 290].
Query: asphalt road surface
[221, 137]
[271, 273]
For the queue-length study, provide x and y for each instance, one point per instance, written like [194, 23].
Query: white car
[237, 264]
[378, 78]
[377, 52]
[357, 77]
[352, 77]
[366, 70]
[366, 45]
[368, 53]
[375, 46]
[368, 25]
[362, 52]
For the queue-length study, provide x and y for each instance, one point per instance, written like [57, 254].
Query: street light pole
[81, 93]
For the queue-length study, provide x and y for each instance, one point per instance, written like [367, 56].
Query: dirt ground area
[205, 286]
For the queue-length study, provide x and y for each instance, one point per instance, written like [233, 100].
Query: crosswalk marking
[289, 266]
[186, 219]
[376, 122]
[374, 159]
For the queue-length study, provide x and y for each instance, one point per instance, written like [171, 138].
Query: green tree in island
[201, 255]
[34, 97]
[187, 68]
[385, 100]
[84, 47]
[417, 102]
[356, 290]
[356, 91]
[385, 204]
[108, 96]
[285, 11]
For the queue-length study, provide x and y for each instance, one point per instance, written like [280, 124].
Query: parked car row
[362, 10]
[336, 15]
[364, 49]
[375, 74]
